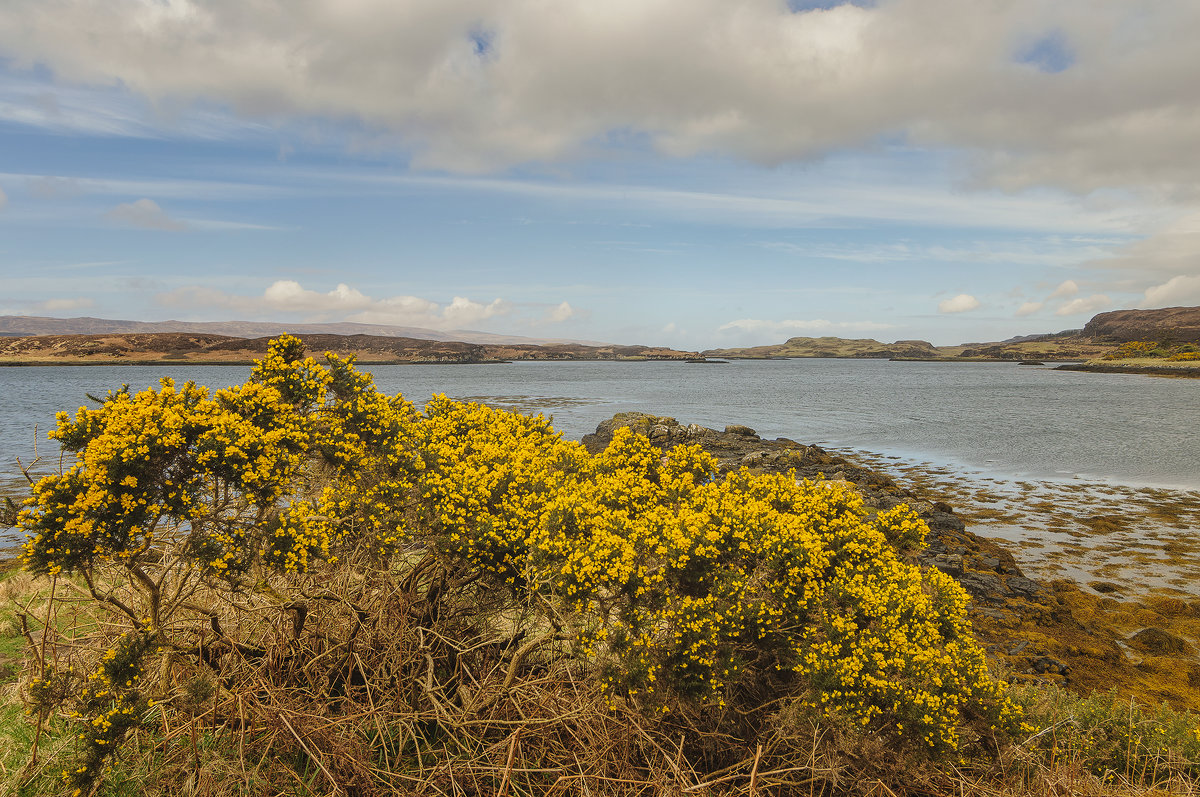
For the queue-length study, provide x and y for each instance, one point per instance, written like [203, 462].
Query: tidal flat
[1109, 538]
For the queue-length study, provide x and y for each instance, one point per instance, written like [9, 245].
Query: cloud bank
[1080, 94]
[796, 325]
[344, 303]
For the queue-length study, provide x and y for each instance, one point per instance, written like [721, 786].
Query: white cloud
[959, 304]
[1065, 289]
[3, 199]
[1180, 291]
[61, 305]
[1172, 249]
[1028, 308]
[1114, 105]
[1089, 306]
[343, 303]
[145, 213]
[52, 187]
[815, 325]
[561, 313]
[464, 311]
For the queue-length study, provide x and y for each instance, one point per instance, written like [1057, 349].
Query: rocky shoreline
[1180, 371]
[1041, 632]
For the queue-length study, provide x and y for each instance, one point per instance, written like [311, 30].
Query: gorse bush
[212, 526]
[1177, 352]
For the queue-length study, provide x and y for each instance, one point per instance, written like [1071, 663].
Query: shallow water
[989, 427]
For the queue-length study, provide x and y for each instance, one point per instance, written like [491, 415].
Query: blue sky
[694, 174]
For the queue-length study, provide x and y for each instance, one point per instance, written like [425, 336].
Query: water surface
[993, 422]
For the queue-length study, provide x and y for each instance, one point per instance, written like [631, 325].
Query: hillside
[115, 349]
[1174, 324]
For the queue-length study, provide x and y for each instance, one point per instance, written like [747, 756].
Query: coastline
[1177, 371]
[83, 361]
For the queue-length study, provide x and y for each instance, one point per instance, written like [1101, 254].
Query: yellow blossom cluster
[109, 704]
[485, 479]
[687, 584]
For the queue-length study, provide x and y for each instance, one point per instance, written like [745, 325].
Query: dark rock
[738, 429]
[984, 586]
[1026, 587]
[1104, 587]
[753, 459]
[1045, 664]
[945, 521]
[948, 563]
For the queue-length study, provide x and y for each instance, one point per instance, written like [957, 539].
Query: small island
[1164, 342]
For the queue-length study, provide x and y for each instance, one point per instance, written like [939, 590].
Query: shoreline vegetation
[369, 598]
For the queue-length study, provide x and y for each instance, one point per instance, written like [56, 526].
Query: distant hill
[117, 349]
[858, 348]
[1099, 336]
[17, 325]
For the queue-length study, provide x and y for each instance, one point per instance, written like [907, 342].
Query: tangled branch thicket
[302, 581]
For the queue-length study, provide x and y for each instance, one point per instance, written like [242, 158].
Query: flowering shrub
[713, 589]
[675, 585]
[1183, 352]
[1133, 348]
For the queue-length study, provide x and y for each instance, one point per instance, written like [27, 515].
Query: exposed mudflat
[1111, 539]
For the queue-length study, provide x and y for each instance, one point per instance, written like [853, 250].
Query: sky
[689, 173]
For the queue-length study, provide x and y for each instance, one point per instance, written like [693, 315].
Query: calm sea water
[1012, 421]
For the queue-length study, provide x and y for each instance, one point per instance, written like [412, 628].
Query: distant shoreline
[1177, 371]
[123, 362]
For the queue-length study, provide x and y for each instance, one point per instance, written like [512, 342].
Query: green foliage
[1115, 738]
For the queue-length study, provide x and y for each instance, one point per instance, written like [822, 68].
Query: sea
[996, 422]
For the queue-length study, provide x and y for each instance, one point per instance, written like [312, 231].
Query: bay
[1026, 434]
[1020, 421]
